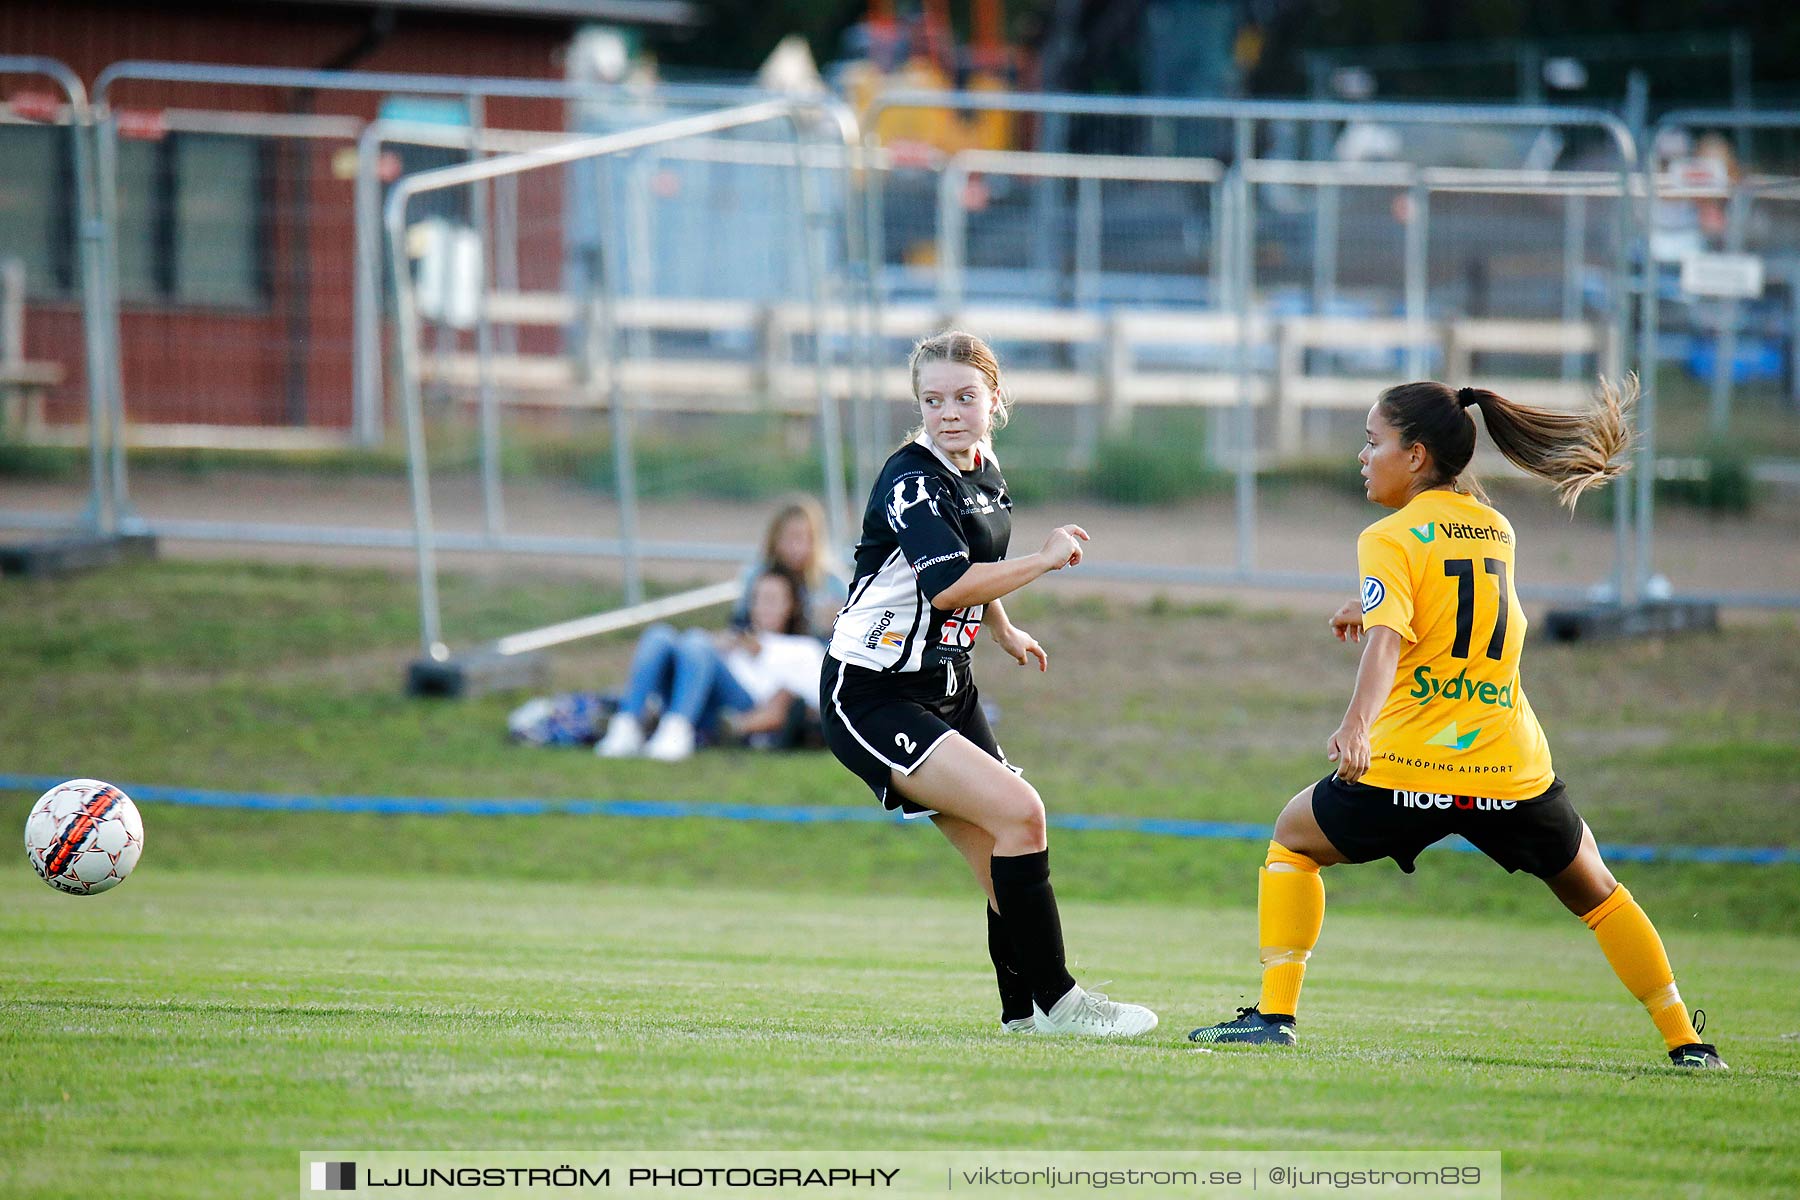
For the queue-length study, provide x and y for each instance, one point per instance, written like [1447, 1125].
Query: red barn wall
[192, 363]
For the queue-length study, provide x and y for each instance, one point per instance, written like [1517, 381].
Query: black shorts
[1539, 836]
[880, 722]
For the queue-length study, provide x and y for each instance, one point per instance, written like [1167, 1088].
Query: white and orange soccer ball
[84, 836]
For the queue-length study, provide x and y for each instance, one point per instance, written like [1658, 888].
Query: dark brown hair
[1573, 450]
[797, 621]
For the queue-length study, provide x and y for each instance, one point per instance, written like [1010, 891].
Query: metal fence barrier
[601, 383]
[25, 383]
[1231, 299]
[701, 349]
[264, 334]
[1742, 192]
[369, 403]
[1266, 297]
[1112, 380]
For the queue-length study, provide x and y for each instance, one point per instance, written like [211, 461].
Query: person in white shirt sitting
[738, 684]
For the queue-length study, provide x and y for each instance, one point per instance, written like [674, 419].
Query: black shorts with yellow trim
[883, 723]
[1539, 836]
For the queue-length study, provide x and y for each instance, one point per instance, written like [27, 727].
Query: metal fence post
[493, 500]
[860, 237]
[952, 238]
[1219, 253]
[1418, 218]
[1243, 289]
[1574, 253]
[1325, 247]
[90, 232]
[1618, 346]
[1644, 462]
[863, 370]
[813, 221]
[1725, 337]
[406, 355]
[367, 417]
[1089, 229]
[1793, 396]
[875, 243]
[112, 380]
[601, 332]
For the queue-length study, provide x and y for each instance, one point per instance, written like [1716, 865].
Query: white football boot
[624, 737]
[673, 739]
[1083, 1013]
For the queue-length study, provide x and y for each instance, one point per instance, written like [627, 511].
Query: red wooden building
[235, 220]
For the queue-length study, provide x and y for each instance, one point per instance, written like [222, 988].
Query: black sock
[1015, 994]
[1022, 889]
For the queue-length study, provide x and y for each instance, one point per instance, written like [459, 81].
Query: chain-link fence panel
[1196, 314]
[679, 409]
[248, 331]
[54, 411]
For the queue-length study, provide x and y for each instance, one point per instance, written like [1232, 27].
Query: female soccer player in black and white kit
[899, 706]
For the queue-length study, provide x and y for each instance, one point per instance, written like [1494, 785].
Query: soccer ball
[83, 836]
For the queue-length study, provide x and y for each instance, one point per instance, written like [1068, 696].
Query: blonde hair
[803, 508]
[956, 346]
[1573, 450]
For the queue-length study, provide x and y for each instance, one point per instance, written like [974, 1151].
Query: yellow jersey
[1439, 572]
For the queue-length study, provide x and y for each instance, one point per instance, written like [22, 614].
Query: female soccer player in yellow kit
[1439, 737]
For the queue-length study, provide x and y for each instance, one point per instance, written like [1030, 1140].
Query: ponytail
[1573, 450]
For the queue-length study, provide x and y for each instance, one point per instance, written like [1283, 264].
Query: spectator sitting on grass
[744, 683]
[795, 543]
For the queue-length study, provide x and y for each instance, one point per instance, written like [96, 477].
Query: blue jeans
[686, 672]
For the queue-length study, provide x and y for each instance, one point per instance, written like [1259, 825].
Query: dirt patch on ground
[1297, 529]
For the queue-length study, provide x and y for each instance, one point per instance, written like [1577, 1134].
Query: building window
[137, 226]
[192, 216]
[37, 206]
[215, 202]
[191, 221]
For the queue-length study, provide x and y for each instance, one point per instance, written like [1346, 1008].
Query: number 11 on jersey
[1463, 571]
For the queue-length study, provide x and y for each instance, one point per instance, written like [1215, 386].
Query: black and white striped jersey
[926, 524]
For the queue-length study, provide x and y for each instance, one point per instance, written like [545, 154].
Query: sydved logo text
[1428, 687]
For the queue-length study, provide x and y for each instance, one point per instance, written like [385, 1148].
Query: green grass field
[207, 1026]
[268, 983]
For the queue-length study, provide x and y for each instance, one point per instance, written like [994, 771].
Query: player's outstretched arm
[1349, 746]
[985, 583]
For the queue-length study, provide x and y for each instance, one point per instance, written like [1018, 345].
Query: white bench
[23, 384]
[770, 380]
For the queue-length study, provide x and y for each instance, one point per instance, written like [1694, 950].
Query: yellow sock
[1631, 945]
[1290, 908]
